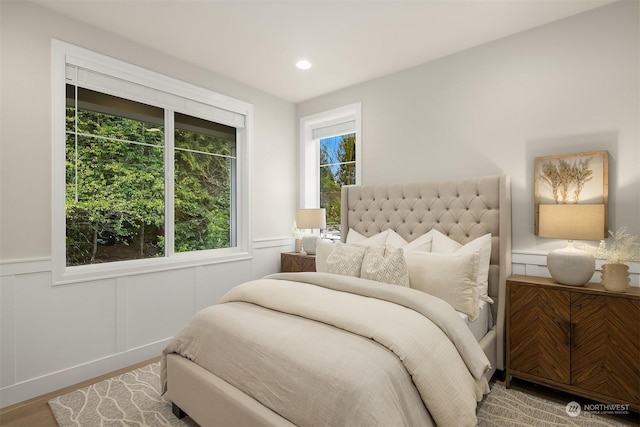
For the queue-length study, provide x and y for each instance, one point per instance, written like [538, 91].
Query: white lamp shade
[311, 218]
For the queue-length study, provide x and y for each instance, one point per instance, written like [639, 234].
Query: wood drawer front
[290, 263]
[540, 332]
[308, 264]
[296, 262]
[606, 345]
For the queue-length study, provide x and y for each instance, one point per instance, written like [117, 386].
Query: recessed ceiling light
[303, 64]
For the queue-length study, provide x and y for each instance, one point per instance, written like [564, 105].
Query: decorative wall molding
[25, 266]
[273, 242]
[532, 260]
[44, 264]
[534, 263]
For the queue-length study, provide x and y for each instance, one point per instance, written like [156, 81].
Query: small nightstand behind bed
[295, 262]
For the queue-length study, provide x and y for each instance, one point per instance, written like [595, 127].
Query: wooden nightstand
[583, 340]
[296, 262]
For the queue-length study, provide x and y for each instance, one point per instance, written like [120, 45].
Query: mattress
[482, 324]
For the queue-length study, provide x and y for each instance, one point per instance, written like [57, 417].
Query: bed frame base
[211, 401]
[179, 413]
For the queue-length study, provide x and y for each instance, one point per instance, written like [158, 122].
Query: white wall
[51, 337]
[566, 87]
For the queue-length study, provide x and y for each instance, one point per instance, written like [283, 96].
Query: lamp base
[570, 266]
[309, 244]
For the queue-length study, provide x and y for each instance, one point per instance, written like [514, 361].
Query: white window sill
[85, 273]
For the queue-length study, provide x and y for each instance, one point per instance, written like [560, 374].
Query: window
[331, 147]
[205, 182]
[149, 172]
[114, 178]
[337, 168]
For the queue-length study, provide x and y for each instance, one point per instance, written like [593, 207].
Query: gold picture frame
[572, 179]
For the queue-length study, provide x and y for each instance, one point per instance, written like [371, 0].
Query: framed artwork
[571, 179]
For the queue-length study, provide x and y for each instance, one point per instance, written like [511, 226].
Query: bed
[328, 348]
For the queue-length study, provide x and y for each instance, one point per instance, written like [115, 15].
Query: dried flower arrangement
[564, 176]
[297, 234]
[624, 248]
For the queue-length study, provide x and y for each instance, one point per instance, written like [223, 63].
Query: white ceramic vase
[615, 277]
[571, 266]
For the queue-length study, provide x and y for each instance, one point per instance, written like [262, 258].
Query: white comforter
[321, 349]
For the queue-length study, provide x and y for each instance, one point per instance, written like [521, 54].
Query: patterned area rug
[133, 399]
[506, 408]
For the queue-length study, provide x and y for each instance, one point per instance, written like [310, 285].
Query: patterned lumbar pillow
[388, 267]
[345, 260]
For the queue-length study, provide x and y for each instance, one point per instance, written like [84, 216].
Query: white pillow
[388, 267]
[355, 238]
[450, 277]
[422, 243]
[323, 250]
[444, 244]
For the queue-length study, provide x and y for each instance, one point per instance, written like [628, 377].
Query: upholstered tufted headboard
[463, 209]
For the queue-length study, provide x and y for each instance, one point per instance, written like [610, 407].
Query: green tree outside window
[337, 168]
[115, 180]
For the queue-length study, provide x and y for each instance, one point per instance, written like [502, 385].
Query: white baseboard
[51, 382]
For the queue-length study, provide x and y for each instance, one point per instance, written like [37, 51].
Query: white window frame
[310, 149]
[63, 274]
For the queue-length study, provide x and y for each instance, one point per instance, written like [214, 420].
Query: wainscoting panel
[7, 331]
[55, 336]
[61, 326]
[122, 308]
[212, 281]
[535, 264]
[158, 305]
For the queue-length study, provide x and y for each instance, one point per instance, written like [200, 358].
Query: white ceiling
[348, 42]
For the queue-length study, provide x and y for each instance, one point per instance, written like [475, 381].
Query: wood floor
[36, 413]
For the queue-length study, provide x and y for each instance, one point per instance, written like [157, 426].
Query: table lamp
[569, 265]
[310, 219]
